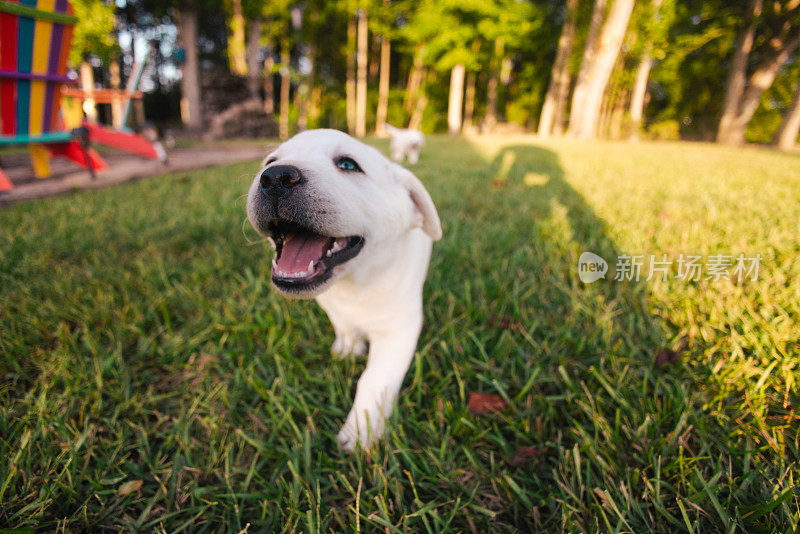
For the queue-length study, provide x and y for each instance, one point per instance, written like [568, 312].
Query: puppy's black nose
[278, 179]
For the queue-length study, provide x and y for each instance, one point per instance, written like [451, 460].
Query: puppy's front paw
[348, 345]
[361, 430]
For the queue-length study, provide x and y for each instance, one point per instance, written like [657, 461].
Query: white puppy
[405, 143]
[354, 230]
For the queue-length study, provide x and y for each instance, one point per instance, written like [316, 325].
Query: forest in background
[621, 69]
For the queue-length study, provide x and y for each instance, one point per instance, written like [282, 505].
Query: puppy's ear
[427, 217]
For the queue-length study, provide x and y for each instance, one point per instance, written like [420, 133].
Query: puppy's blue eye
[348, 165]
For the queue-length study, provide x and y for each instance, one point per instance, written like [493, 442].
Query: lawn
[152, 380]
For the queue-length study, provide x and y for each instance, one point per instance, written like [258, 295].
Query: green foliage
[666, 130]
[94, 31]
[689, 84]
[691, 42]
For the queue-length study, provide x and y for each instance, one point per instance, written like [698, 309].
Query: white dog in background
[405, 144]
[354, 230]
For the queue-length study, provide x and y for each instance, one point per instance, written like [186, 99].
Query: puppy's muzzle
[279, 180]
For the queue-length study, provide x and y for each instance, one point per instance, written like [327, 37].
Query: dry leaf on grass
[666, 357]
[482, 403]
[129, 487]
[506, 322]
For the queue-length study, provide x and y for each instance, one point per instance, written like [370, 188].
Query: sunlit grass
[141, 341]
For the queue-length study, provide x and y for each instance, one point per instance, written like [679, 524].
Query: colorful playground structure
[35, 40]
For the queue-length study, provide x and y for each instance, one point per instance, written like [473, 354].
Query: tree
[587, 59]
[586, 104]
[350, 84]
[655, 27]
[456, 99]
[269, 67]
[236, 43]
[382, 23]
[191, 109]
[444, 32]
[94, 32]
[361, 81]
[383, 86]
[779, 34]
[490, 119]
[469, 94]
[505, 26]
[416, 75]
[737, 77]
[786, 136]
[557, 91]
[254, 14]
[254, 32]
[186, 14]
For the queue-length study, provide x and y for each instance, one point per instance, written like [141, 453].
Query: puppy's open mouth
[304, 259]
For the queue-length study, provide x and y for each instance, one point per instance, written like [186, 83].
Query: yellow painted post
[41, 52]
[72, 112]
[40, 158]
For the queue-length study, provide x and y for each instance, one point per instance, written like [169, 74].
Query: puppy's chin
[310, 291]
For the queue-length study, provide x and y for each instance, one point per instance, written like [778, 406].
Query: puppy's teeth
[328, 254]
[274, 263]
[310, 268]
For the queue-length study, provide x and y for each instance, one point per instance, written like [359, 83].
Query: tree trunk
[375, 66]
[786, 136]
[236, 47]
[456, 99]
[558, 89]
[269, 79]
[759, 81]
[640, 85]
[587, 62]
[584, 124]
[361, 84]
[306, 89]
[253, 57]
[604, 116]
[616, 117]
[350, 87]
[469, 103]
[414, 80]
[419, 110]
[383, 87]
[737, 78]
[314, 102]
[639, 92]
[190, 80]
[490, 120]
[283, 124]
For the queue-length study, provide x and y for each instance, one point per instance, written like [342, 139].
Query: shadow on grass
[574, 361]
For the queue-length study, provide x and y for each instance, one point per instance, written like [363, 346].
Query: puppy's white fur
[405, 143]
[376, 296]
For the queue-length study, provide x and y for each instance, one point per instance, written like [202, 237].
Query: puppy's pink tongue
[299, 250]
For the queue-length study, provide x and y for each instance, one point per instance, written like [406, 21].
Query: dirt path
[67, 177]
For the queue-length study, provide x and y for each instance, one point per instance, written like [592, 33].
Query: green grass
[152, 380]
